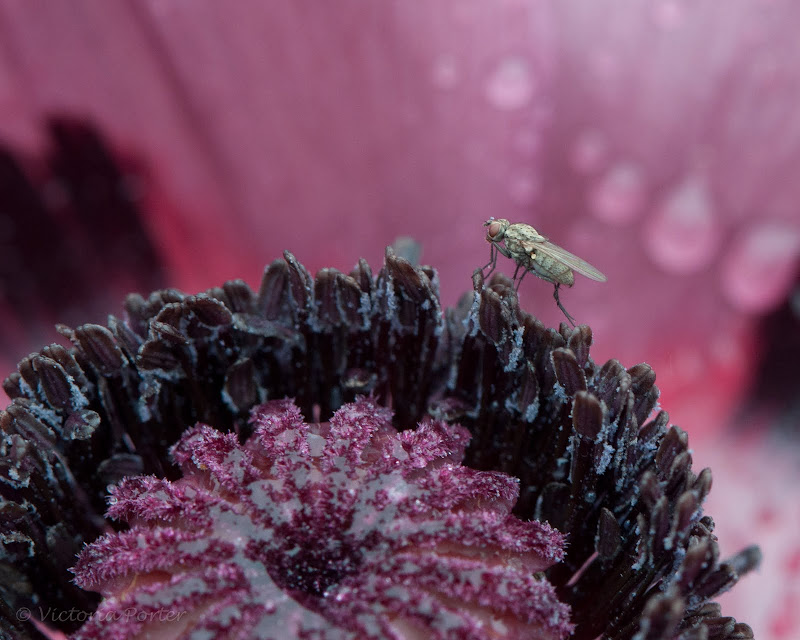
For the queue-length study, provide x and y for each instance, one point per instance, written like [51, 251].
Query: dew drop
[689, 364]
[589, 152]
[524, 188]
[527, 142]
[510, 85]
[668, 14]
[760, 266]
[444, 72]
[726, 351]
[604, 64]
[618, 196]
[683, 235]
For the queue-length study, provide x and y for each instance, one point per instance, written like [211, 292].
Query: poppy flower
[656, 141]
[331, 518]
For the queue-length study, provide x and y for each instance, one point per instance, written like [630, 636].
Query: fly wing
[562, 255]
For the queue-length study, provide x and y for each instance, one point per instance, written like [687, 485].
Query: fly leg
[492, 261]
[495, 249]
[531, 262]
[561, 306]
[519, 282]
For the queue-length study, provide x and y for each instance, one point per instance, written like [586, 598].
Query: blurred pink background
[659, 140]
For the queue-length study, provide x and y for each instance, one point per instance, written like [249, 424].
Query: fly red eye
[494, 229]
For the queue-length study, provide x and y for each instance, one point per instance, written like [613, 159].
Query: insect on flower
[535, 253]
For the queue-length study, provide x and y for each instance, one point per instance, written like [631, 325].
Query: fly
[533, 252]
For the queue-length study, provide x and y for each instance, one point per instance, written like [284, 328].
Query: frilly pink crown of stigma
[346, 529]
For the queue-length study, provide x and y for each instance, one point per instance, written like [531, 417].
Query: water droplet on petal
[589, 151]
[527, 141]
[727, 351]
[689, 364]
[618, 196]
[668, 14]
[524, 188]
[445, 73]
[604, 64]
[511, 84]
[683, 235]
[760, 267]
